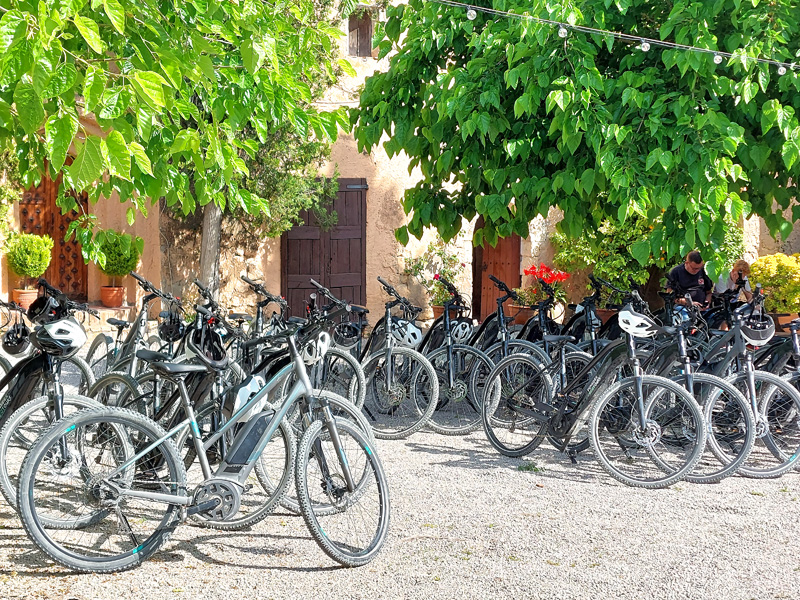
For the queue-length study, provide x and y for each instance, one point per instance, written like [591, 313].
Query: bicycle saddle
[555, 339]
[152, 356]
[167, 368]
[120, 324]
[358, 310]
[240, 317]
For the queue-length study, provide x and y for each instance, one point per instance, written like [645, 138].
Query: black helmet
[346, 335]
[758, 328]
[171, 329]
[62, 338]
[44, 309]
[206, 344]
[15, 340]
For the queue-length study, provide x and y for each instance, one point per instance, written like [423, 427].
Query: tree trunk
[210, 247]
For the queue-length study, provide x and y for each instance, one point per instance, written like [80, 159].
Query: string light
[471, 14]
[781, 70]
[644, 43]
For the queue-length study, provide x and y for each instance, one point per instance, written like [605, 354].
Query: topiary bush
[29, 255]
[779, 276]
[121, 254]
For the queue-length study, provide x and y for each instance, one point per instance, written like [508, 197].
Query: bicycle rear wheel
[353, 532]
[398, 405]
[663, 452]
[100, 529]
[514, 387]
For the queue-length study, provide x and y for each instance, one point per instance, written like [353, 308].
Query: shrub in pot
[28, 257]
[122, 253]
[779, 276]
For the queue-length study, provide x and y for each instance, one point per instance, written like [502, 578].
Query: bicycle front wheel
[353, 532]
[658, 454]
[75, 508]
[402, 391]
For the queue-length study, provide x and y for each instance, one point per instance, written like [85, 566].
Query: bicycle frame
[232, 468]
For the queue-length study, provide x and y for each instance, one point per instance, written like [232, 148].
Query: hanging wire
[644, 43]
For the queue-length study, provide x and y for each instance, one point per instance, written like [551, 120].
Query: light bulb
[472, 14]
[645, 46]
[781, 70]
[717, 58]
[562, 32]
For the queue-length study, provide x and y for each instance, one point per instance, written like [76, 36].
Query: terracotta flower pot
[25, 297]
[521, 314]
[604, 314]
[112, 296]
[438, 311]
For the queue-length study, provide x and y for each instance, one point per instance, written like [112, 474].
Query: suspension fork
[638, 375]
[52, 376]
[687, 363]
[450, 367]
[751, 381]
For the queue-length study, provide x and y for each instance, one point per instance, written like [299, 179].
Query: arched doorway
[502, 261]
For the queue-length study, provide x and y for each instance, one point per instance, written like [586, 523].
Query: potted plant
[779, 276]
[439, 260]
[28, 256]
[121, 252]
[530, 295]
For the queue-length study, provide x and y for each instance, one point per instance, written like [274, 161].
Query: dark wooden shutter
[360, 38]
[502, 261]
[335, 258]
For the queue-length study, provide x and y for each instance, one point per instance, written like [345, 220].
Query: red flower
[437, 277]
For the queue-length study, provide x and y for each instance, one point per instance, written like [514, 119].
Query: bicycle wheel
[100, 354]
[101, 529]
[730, 426]
[397, 406]
[458, 410]
[340, 408]
[495, 352]
[353, 533]
[114, 388]
[777, 447]
[507, 415]
[20, 432]
[574, 363]
[663, 452]
[76, 377]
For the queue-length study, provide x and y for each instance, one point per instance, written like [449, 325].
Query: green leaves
[59, 133]
[149, 86]
[141, 158]
[641, 252]
[29, 107]
[116, 14]
[88, 166]
[116, 155]
[90, 33]
[12, 30]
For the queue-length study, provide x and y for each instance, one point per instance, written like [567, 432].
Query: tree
[521, 120]
[184, 93]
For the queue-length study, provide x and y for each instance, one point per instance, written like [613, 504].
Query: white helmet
[317, 348]
[406, 333]
[461, 331]
[62, 338]
[637, 324]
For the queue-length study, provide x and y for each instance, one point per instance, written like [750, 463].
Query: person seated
[691, 278]
[729, 282]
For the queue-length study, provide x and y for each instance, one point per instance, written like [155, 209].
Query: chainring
[228, 493]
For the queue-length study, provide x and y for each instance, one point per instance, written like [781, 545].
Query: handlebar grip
[202, 310]
[248, 280]
[198, 284]
[382, 281]
[139, 278]
[495, 279]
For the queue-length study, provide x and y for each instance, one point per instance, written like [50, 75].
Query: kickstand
[573, 456]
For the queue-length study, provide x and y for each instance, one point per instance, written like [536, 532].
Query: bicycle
[126, 459]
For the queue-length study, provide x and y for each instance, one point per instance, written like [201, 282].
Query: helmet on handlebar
[346, 335]
[637, 324]
[758, 328]
[171, 329]
[315, 349]
[406, 333]
[44, 309]
[206, 345]
[15, 340]
[62, 338]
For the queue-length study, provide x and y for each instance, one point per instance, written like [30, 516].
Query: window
[361, 33]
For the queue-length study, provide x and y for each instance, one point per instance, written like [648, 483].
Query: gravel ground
[467, 522]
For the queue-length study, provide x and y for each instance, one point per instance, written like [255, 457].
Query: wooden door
[336, 258]
[502, 261]
[40, 215]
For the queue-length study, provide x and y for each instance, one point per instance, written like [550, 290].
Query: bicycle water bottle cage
[405, 332]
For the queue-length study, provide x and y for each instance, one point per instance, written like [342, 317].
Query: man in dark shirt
[691, 278]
